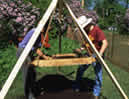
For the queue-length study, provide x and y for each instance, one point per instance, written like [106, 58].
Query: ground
[67, 94]
[59, 87]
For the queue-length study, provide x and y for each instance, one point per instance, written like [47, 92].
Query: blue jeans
[98, 80]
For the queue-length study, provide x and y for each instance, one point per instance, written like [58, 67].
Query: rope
[46, 33]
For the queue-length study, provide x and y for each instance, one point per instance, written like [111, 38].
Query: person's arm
[40, 53]
[103, 47]
[79, 50]
[102, 38]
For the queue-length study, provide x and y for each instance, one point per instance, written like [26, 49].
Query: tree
[126, 21]
[79, 11]
[108, 10]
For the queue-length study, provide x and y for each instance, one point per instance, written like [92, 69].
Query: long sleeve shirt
[26, 39]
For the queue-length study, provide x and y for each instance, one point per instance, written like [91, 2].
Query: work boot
[76, 87]
[95, 97]
[31, 96]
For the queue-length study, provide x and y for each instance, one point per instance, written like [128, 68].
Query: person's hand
[46, 57]
[101, 54]
[93, 63]
[93, 55]
[78, 50]
[39, 52]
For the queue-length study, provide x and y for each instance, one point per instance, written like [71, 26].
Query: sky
[123, 3]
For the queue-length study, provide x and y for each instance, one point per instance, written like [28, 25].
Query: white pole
[27, 49]
[98, 55]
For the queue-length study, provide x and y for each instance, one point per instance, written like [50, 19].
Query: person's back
[28, 70]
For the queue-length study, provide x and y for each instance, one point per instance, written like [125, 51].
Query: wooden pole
[60, 8]
[112, 48]
[83, 3]
[98, 55]
[27, 49]
[60, 32]
[63, 62]
[60, 39]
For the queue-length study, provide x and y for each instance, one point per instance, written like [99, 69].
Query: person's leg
[29, 77]
[24, 70]
[80, 72]
[28, 73]
[29, 84]
[98, 79]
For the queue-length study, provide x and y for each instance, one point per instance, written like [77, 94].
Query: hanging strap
[46, 34]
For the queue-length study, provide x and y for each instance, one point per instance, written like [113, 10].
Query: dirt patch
[66, 94]
[59, 87]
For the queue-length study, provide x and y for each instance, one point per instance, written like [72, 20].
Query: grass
[7, 60]
[109, 91]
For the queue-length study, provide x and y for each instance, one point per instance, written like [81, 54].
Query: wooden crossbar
[65, 55]
[63, 62]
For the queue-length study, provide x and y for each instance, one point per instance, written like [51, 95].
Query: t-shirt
[96, 35]
[26, 39]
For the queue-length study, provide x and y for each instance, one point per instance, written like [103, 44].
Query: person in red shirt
[96, 35]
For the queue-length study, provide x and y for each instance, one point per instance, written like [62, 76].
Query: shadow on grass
[60, 87]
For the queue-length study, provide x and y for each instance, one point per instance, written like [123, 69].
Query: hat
[84, 21]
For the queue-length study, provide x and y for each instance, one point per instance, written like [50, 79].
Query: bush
[123, 23]
[18, 16]
[126, 21]
[75, 5]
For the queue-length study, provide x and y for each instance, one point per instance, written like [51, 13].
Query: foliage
[8, 59]
[78, 11]
[122, 23]
[4, 31]
[126, 18]
[108, 10]
[19, 16]
[126, 21]
[102, 23]
[58, 26]
[42, 4]
[67, 46]
[112, 15]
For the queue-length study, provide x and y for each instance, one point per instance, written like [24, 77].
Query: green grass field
[109, 91]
